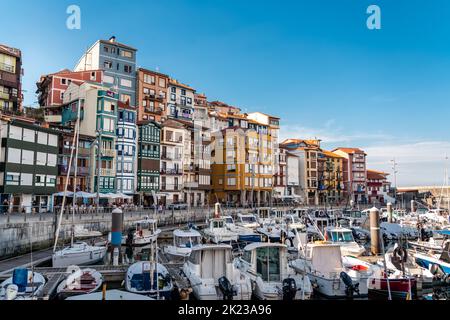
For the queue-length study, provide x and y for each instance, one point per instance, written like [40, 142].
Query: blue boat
[441, 260]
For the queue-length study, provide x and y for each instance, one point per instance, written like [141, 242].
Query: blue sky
[313, 63]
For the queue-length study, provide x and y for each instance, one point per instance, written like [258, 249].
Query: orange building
[152, 95]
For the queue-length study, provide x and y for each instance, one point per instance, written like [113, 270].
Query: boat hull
[79, 258]
[400, 288]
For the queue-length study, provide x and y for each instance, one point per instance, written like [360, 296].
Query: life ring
[401, 253]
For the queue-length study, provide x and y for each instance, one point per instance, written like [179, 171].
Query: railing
[106, 172]
[171, 171]
[7, 67]
[108, 152]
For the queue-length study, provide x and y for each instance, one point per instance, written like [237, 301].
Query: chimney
[112, 39]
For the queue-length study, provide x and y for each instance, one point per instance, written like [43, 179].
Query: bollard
[217, 210]
[413, 207]
[389, 212]
[375, 245]
[116, 231]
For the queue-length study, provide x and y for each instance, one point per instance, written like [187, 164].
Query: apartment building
[98, 119]
[180, 101]
[171, 171]
[85, 145]
[378, 187]
[308, 153]
[152, 90]
[10, 79]
[354, 173]
[28, 164]
[51, 88]
[331, 178]
[118, 62]
[280, 176]
[201, 110]
[149, 156]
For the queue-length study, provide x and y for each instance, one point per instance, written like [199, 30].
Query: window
[108, 79]
[15, 133]
[39, 180]
[14, 155]
[173, 97]
[162, 82]
[12, 178]
[268, 263]
[127, 69]
[28, 135]
[189, 100]
[52, 140]
[41, 159]
[51, 181]
[108, 124]
[231, 181]
[51, 162]
[126, 54]
[109, 107]
[27, 157]
[26, 179]
[63, 81]
[183, 92]
[126, 83]
[42, 137]
[107, 65]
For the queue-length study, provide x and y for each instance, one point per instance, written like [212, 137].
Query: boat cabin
[247, 220]
[266, 260]
[146, 225]
[186, 238]
[211, 261]
[324, 257]
[339, 235]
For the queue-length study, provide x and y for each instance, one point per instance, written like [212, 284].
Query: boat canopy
[212, 259]
[326, 258]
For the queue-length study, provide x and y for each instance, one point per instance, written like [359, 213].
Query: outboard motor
[350, 288]
[289, 289]
[226, 288]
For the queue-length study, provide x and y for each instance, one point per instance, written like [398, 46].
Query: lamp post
[99, 159]
[394, 168]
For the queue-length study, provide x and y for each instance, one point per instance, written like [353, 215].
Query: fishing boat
[442, 260]
[217, 231]
[244, 234]
[150, 279]
[183, 242]
[23, 285]
[145, 232]
[80, 281]
[266, 265]
[322, 262]
[275, 233]
[344, 238]
[213, 276]
[247, 221]
[294, 222]
[397, 287]
[78, 254]
[114, 295]
[434, 244]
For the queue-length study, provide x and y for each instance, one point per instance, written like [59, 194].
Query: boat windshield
[248, 219]
[229, 220]
[268, 263]
[187, 242]
[218, 224]
[341, 236]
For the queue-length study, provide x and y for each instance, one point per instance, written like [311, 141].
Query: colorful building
[180, 101]
[152, 95]
[149, 156]
[10, 79]
[331, 178]
[378, 187]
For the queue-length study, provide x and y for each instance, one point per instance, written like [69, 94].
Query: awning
[79, 194]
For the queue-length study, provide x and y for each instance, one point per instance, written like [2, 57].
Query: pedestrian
[5, 206]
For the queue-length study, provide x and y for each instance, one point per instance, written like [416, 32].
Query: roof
[179, 84]
[153, 72]
[212, 247]
[376, 175]
[256, 245]
[267, 115]
[10, 51]
[331, 154]
[349, 150]
[186, 233]
[172, 124]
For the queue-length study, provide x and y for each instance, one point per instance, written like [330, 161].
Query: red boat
[400, 288]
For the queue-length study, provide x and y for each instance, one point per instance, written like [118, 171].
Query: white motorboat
[80, 281]
[213, 276]
[23, 285]
[276, 233]
[294, 222]
[217, 231]
[115, 295]
[141, 279]
[78, 254]
[323, 263]
[146, 232]
[344, 238]
[83, 233]
[247, 221]
[266, 265]
[183, 242]
[244, 234]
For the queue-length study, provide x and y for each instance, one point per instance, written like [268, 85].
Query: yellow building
[330, 181]
[243, 162]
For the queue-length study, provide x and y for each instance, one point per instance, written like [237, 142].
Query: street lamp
[99, 159]
[394, 168]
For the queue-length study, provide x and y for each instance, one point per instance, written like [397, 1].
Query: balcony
[53, 118]
[7, 67]
[108, 153]
[156, 97]
[165, 187]
[80, 170]
[106, 172]
[171, 172]
[157, 111]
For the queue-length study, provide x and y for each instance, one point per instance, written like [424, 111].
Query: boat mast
[66, 185]
[385, 266]
[77, 141]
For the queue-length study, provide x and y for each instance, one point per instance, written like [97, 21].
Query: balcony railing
[7, 67]
[170, 187]
[108, 153]
[80, 170]
[171, 171]
[157, 111]
[106, 172]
